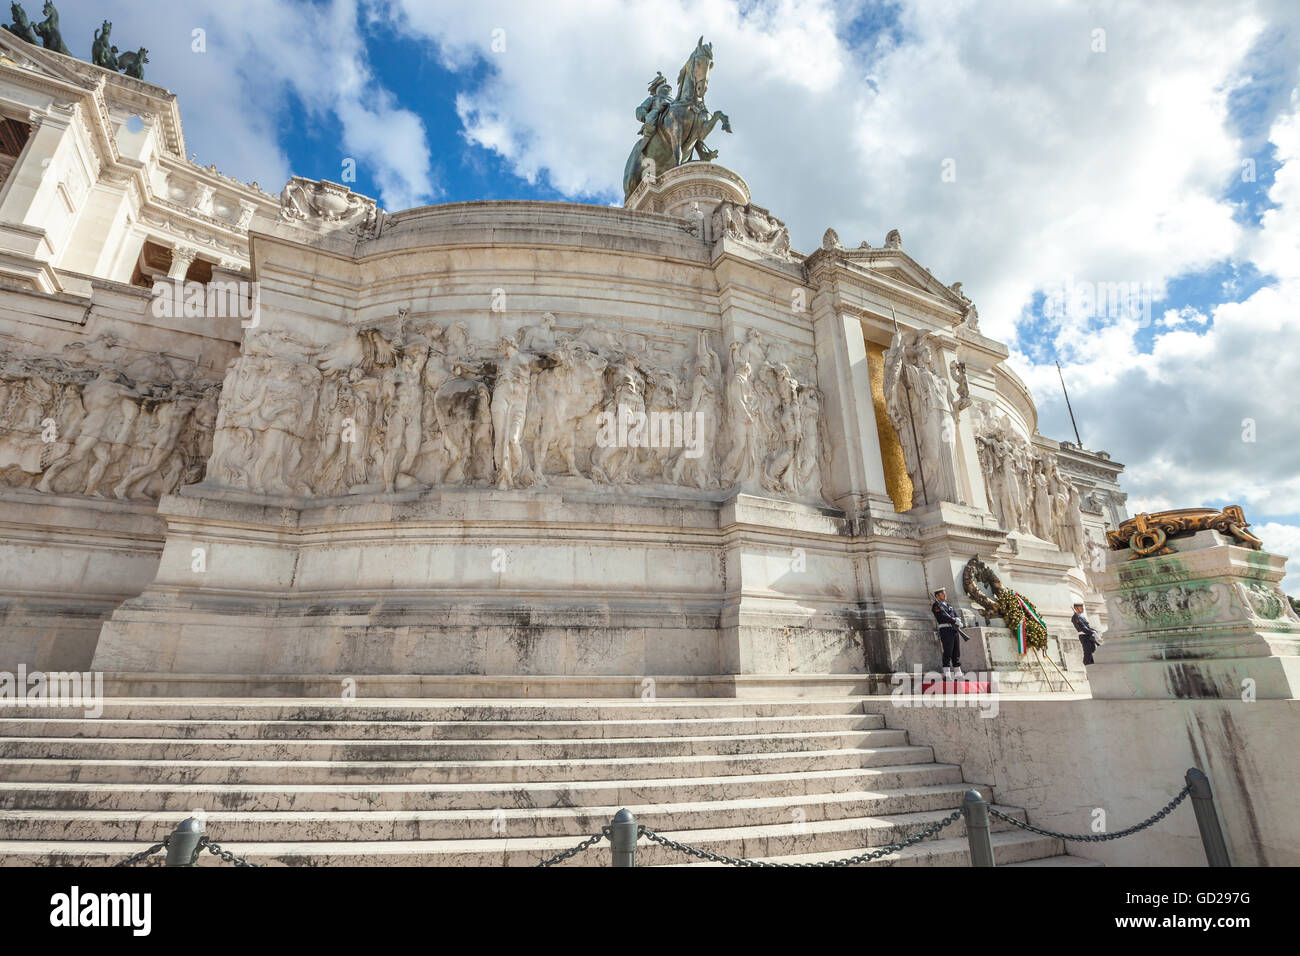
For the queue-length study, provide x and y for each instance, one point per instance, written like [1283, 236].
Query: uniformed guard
[949, 620]
[1088, 635]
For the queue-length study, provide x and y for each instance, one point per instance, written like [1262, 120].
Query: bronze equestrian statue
[673, 127]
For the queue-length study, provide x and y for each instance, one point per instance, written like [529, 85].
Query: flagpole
[1067, 405]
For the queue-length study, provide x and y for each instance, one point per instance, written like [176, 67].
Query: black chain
[1098, 837]
[226, 856]
[847, 861]
[642, 830]
[135, 858]
[214, 848]
[586, 844]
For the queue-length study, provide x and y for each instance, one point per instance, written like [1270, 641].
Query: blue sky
[1096, 142]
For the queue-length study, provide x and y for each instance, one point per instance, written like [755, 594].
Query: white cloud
[1283, 539]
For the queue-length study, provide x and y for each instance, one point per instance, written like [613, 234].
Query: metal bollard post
[622, 838]
[183, 846]
[977, 829]
[1216, 851]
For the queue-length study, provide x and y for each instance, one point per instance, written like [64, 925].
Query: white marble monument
[525, 441]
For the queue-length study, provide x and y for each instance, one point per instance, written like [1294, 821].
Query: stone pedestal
[1206, 621]
[676, 191]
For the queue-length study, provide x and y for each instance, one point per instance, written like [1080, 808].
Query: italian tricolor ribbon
[1020, 628]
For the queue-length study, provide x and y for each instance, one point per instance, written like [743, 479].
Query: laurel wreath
[1010, 611]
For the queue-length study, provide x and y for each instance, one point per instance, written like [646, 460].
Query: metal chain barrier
[586, 844]
[135, 858]
[623, 833]
[202, 842]
[847, 861]
[226, 856]
[1097, 837]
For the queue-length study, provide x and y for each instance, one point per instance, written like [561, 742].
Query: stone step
[1062, 860]
[450, 771]
[503, 823]
[837, 837]
[1010, 848]
[249, 729]
[127, 748]
[187, 708]
[368, 796]
[478, 782]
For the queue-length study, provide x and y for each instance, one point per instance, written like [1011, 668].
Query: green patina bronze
[673, 127]
[102, 52]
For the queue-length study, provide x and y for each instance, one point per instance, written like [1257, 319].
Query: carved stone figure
[282, 414]
[111, 410]
[1076, 537]
[741, 465]
[808, 459]
[267, 415]
[919, 403]
[539, 338]
[1043, 526]
[625, 382]
[565, 395]
[401, 403]
[751, 224]
[343, 456]
[781, 473]
[168, 421]
[958, 370]
[703, 412]
[510, 413]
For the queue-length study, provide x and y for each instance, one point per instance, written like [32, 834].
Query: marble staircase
[320, 782]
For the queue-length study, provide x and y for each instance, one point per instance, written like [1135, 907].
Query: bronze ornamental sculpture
[1147, 535]
[673, 127]
[102, 52]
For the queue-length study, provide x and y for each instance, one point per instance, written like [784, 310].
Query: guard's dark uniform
[1087, 635]
[946, 615]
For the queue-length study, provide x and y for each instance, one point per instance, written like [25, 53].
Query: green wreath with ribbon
[1023, 620]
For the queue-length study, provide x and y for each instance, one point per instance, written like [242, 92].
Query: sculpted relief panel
[95, 422]
[1027, 490]
[1201, 602]
[404, 404]
[923, 410]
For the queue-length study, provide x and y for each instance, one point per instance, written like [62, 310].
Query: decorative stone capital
[182, 258]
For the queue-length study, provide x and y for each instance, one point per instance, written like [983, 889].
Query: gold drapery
[897, 481]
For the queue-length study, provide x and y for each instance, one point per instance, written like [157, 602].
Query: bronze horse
[682, 127]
